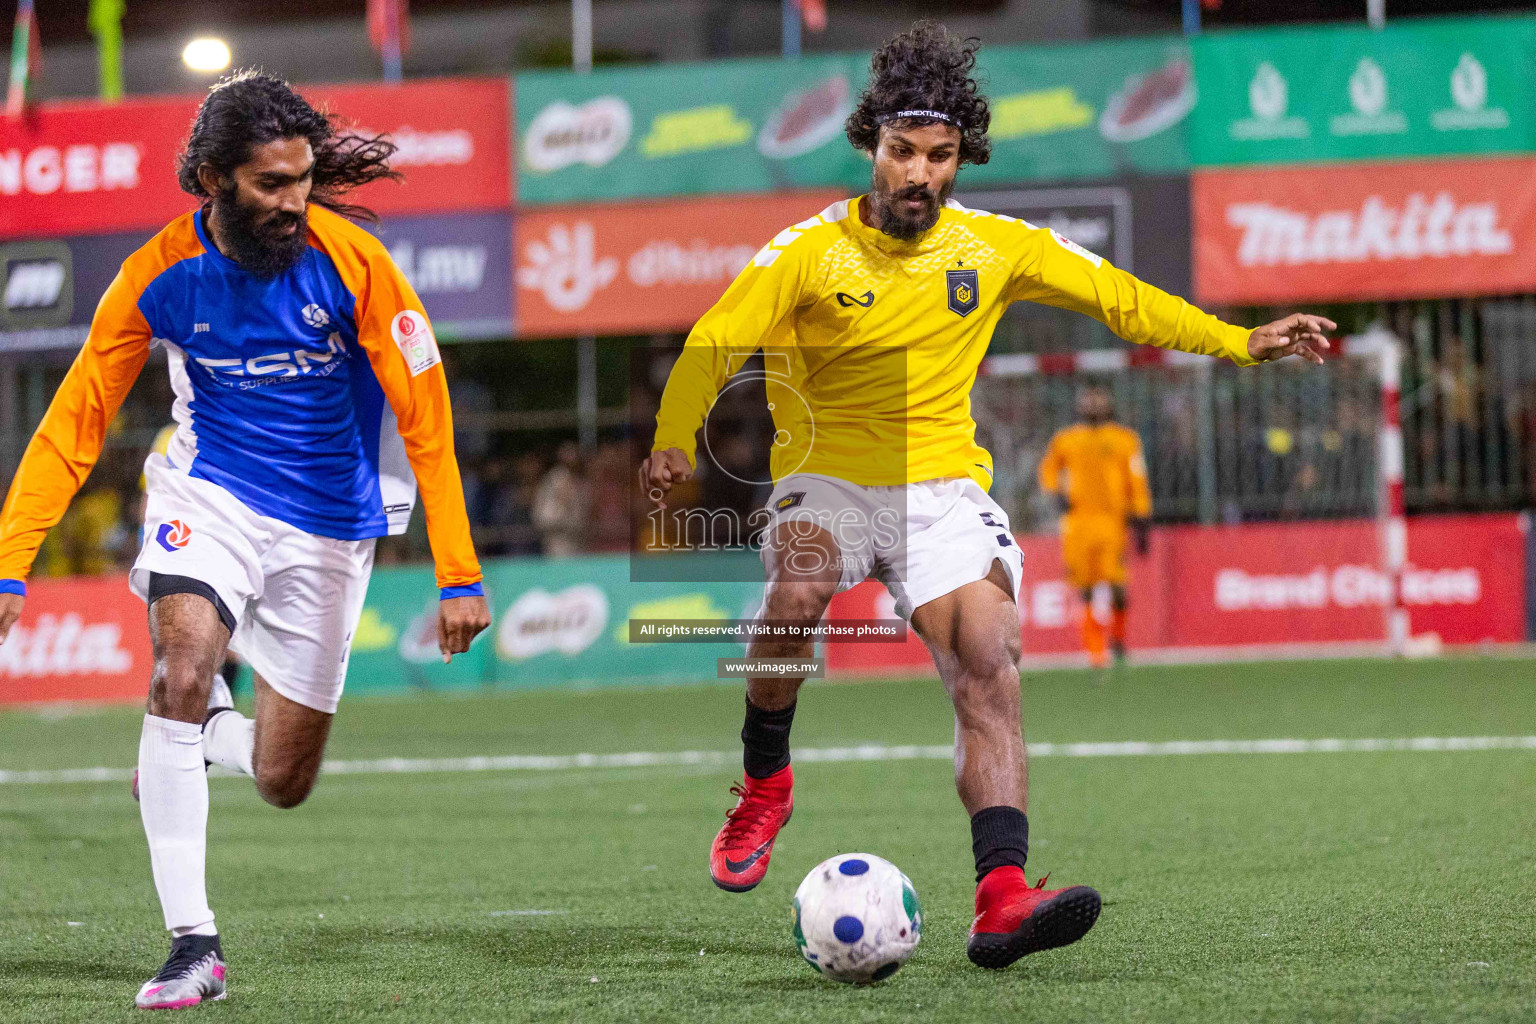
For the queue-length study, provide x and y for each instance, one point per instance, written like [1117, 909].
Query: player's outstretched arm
[1300, 334]
[1056, 272]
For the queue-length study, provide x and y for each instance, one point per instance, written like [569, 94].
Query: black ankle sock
[765, 740]
[999, 836]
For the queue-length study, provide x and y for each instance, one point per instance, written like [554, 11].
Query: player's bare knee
[985, 688]
[282, 788]
[801, 603]
[180, 679]
[992, 666]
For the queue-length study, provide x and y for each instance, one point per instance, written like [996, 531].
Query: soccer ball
[857, 918]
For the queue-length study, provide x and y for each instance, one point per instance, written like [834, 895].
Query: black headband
[918, 115]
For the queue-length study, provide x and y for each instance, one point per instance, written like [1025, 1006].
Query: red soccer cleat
[738, 859]
[1014, 920]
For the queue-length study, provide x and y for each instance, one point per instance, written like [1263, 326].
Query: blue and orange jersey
[316, 397]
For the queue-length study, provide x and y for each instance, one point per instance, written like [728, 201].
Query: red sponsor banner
[81, 639]
[635, 267]
[1365, 231]
[454, 137]
[73, 168]
[1258, 585]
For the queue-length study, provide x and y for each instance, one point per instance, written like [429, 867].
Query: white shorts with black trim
[921, 540]
[296, 597]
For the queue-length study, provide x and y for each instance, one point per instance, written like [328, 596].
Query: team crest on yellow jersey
[964, 290]
[789, 501]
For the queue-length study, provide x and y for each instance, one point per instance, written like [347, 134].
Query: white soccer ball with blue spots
[857, 918]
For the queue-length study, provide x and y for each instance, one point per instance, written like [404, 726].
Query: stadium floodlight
[206, 54]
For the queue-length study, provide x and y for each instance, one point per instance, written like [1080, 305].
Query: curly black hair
[927, 67]
[246, 109]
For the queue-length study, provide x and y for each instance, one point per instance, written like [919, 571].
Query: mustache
[915, 192]
[281, 220]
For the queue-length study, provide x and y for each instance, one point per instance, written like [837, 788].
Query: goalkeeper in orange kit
[1104, 493]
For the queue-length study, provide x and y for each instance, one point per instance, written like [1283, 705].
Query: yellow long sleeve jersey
[1106, 474]
[872, 344]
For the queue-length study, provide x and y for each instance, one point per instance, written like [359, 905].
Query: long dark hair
[246, 109]
[924, 68]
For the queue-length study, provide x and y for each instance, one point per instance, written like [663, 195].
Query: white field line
[868, 752]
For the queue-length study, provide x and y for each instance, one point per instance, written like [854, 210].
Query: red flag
[814, 13]
[26, 58]
[389, 21]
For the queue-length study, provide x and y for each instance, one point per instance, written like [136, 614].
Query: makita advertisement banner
[1072, 111]
[1365, 231]
[1291, 587]
[71, 168]
[79, 639]
[636, 267]
[1423, 87]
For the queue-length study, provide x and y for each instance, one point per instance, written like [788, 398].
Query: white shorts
[921, 540]
[296, 597]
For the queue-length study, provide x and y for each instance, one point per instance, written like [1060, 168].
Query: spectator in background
[611, 497]
[1461, 389]
[501, 507]
[562, 505]
[473, 403]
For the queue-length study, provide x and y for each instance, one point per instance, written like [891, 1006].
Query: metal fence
[1222, 444]
[1469, 402]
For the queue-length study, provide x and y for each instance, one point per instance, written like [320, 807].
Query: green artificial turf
[1238, 888]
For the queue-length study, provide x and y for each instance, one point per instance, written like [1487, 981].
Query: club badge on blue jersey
[964, 291]
[174, 535]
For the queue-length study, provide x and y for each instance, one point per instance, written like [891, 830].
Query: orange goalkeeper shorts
[1093, 549]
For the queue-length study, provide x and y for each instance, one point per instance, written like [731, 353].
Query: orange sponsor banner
[1365, 231]
[77, 639]
[629, 268]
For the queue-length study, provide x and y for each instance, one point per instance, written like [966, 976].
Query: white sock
[173, 803]
[228, 741]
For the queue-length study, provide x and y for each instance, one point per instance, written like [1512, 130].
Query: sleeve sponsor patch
[414, 336]
[1071, 246]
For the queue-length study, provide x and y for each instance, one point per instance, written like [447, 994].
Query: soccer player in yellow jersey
[882, 308]
[1097, 470]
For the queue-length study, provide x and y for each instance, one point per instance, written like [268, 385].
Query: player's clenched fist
[659, 472]
[459, 621]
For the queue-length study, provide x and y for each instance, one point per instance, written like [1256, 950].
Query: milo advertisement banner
[1078, 111]
[1434, 87]
[1087, 110]
[738, 126]
[559, 622]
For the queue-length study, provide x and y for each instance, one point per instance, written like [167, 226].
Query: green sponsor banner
[1090, 110]
[558, 622]
[738, 126]
[1087, 110]
[1435, 87]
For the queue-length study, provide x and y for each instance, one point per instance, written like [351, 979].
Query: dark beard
[900, 225]
[258, 246]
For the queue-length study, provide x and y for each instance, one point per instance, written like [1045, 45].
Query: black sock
[999, 836]
[765, 740]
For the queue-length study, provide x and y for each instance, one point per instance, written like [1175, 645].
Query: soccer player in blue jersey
[310, 406]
